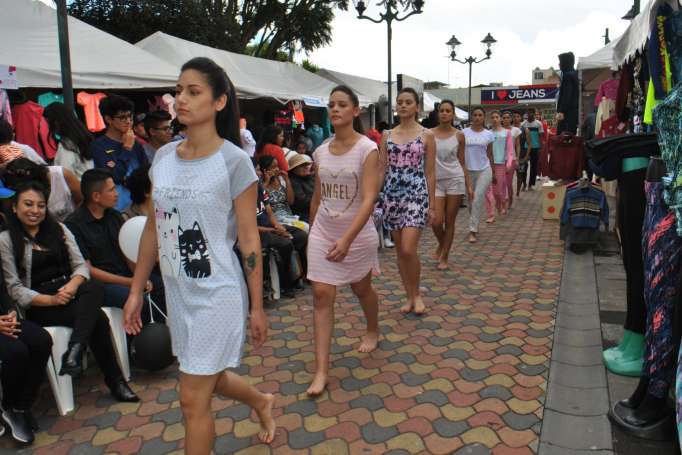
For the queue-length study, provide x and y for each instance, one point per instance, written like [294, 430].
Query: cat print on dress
[194, 252]
[167, 226]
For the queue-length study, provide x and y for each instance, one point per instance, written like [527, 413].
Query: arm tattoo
[250, 262]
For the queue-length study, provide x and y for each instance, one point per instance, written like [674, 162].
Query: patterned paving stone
[468, 378]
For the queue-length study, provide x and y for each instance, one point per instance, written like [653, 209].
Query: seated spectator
[270, 144]
[302, 148]
[159, 131]
[139, 129]
[302, 183]
[280, 193]
[73, 139]
[280, 238]
[140, 187]
[8, 146]
[25, 348]
[65, 192]
[117, 149]
[47, 278]
[95, 225]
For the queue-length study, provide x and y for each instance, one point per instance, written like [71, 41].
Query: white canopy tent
[430, 101]
[373, 89]
[252, 77]
[28, 31]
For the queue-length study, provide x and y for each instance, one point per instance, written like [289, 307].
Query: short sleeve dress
[341, 197]
[206, 294]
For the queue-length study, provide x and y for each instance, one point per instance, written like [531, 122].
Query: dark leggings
[23, 365]
[662, 248]
[285, 247]
[89, 323]
[534, 158]
[631, 206]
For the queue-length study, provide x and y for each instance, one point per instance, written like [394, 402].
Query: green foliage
[266, 28]
[310, 66]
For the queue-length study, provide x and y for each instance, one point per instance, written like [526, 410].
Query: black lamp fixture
[452, 45]
[391, 13]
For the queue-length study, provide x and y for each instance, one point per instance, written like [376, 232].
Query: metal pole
[390, 75]
[64, 56]
[471, 64]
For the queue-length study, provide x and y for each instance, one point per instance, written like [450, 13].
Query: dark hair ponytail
[226, 120]
[357, 123]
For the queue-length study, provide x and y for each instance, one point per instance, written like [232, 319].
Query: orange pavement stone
[149, 431]
[463, 400]
[442, 446]
[152, 407]
[348, 431]
[361, 416]
[329, 408]
[364, 448]
[420, 425]
[341, 396]
[502, 449]
[395, 404]
[529, 381]
[505, 369]
[515, 438]
[403, 391]
[127, 446]
[426, 410]
[130, 421]
[486, 419]
[493, 405]
[387, 377]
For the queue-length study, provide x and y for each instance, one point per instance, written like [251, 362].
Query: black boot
[637, 396]
[122, 391]
[652, 410]
[72, 360]
[15, 420]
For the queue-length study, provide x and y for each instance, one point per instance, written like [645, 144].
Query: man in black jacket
[569, 95]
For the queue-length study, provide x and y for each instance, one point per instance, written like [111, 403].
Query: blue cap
[5, 192]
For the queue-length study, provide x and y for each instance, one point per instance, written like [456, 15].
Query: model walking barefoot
[343, 242]
[516, 142]
[479, 157]
[496, 197]
[452, 180]
[204, 192]
[409, 192]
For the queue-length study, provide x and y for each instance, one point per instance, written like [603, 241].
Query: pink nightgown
[341, 197]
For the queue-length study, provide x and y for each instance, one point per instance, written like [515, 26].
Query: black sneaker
[32, 421]
[18, 425]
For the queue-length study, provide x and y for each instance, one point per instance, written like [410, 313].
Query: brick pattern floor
[469, 377]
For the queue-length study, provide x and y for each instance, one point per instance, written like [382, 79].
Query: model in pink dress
[343, 242]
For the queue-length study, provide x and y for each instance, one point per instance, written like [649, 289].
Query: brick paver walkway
[469, 377]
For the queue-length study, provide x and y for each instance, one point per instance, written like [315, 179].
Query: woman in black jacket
[303, 184]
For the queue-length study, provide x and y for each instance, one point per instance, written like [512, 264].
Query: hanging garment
[5, 109]
[566, 156]
[661, 248]
[658, 54]
[169, 103]
[90, 103]
[605, 110]
[584, 209]
[668, 119]
[31, 128]
[673, 38]
[612, 126]
[627, 81]
[569, 94]
[608, 89]
[50, 97]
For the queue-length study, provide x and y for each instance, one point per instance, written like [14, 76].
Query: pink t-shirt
[341, 196]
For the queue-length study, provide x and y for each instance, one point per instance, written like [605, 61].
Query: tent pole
[64, 55]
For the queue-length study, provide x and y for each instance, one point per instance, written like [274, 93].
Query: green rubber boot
[616, 352]
[632, 358]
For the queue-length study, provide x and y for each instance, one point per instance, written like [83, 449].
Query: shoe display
[72, 360]
[122, 391]
[18, 425]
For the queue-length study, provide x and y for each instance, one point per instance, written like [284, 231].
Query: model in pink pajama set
[343, 242]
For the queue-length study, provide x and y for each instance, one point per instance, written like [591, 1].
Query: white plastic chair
[274, 277]
[119, 339]
[62, 386]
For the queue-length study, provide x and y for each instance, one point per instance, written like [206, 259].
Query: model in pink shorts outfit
[340, 199]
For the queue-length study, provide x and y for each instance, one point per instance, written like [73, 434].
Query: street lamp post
[411, 7]
[454, 42]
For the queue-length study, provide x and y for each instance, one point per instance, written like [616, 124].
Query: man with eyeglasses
[117, 150]
[157, 125]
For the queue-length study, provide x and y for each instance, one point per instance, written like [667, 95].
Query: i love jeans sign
[520, 94]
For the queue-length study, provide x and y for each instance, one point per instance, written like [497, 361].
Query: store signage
[521, 94]
[8, 77]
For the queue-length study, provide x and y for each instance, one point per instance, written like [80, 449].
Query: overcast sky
[530, 33]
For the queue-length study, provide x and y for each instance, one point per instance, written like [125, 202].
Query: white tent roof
[28, 31]
[373, 89]
[602, 59]
[637, 33]
[252, 77]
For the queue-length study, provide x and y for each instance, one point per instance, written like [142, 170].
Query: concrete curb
[575, 420]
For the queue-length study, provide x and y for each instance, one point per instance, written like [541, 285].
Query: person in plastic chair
[25, 348]
[96, 225]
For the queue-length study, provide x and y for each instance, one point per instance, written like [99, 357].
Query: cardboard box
[553, 195]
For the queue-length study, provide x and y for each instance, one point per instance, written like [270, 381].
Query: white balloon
[129, 236]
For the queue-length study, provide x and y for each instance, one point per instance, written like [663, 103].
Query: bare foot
[267, 423]
[369, 342]
[318, 385]
[490, 220]
[436, 255]
[419, 307]
[472, 238]
[442, 266]
[407, 308]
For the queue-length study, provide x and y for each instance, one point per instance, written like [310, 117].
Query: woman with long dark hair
[73, 139]
[452, 179]
[409, 199]
[479, 158]
[47, 277]
[204, 191]
[270, 143]
[343, 240]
